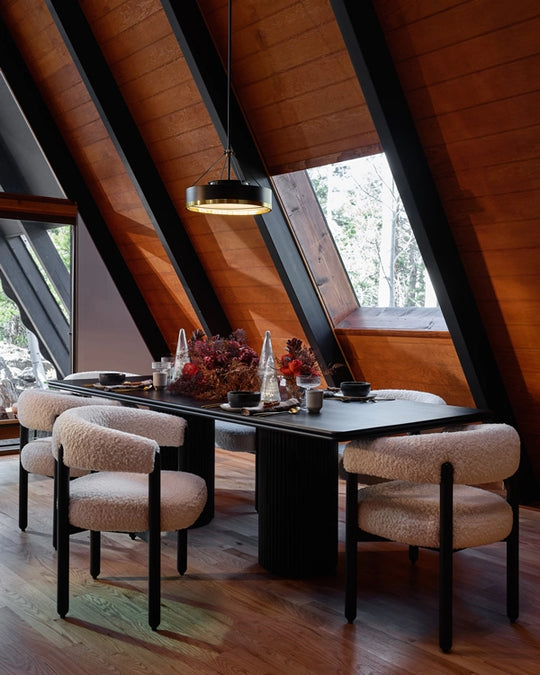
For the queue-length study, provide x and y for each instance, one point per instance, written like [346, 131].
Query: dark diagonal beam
[41, 311]
[131, 148]
[211, 79]
[384, 96]
[68, 175]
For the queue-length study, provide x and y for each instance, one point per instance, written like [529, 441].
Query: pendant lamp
[228, 197]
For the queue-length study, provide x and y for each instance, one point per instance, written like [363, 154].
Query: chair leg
[62, 556]
[95, 554]
[351, 545]
[446, 537]
[413, 554]
[512, 555]
[23, 497]
[23, 480]
[181, 551]
[154, 545]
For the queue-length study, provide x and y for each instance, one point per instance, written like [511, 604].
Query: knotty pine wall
[470, 71]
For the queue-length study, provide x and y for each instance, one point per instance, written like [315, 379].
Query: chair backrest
[480, 453]
[103, 438]
[409, 395]
[38, 408]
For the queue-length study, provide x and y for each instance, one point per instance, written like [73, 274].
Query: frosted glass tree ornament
[182, 355]
[269, 385]
[266, 353]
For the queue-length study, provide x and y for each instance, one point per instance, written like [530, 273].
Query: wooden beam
[41, 209]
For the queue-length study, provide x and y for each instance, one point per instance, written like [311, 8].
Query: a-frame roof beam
[207, 69]
[67, 173]
[130, 146]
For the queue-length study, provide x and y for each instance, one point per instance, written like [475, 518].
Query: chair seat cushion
[409, 513]
[118, 502]
[235, 437]
[37, 457]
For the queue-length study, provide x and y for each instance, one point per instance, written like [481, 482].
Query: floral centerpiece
[218, 365]
[298, 360]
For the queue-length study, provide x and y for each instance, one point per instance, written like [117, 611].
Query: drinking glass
[307, 382]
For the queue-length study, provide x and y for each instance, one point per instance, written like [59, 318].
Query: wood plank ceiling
[469, 71]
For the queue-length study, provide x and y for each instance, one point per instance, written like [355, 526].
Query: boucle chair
[389, 394]
[428, 501]
[37, 410]
[409, 395]
[126, 491]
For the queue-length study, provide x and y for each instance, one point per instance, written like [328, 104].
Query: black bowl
[243, 399]
[355, 388]
[111, 378]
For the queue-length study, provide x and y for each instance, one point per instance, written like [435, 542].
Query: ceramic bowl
[243, 399]
[355, 388]
[111, 378]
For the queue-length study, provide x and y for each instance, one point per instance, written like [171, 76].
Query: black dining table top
[337, 420]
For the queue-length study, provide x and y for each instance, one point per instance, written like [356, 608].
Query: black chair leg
[154, 579]
[95, 554]
[413, 554]
[446, 551]
[512, 555]
[181, 551]
[62, 556]
[351, 545]
[23, 497]
[154, 545]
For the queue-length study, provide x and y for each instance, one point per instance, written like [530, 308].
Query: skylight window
[372, 233]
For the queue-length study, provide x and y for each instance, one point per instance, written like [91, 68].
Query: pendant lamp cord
[228, 151]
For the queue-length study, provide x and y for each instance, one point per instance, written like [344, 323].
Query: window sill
[395, 319]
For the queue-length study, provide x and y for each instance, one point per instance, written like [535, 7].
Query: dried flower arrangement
[218, 365]
[298, 360]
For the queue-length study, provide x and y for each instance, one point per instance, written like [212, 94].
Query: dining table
[296, 461]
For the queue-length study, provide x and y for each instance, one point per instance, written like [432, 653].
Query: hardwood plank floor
[227, 615]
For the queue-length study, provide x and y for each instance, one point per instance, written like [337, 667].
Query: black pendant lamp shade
[228, 197]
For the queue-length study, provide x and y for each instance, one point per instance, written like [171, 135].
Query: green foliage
[12, 329]
[354, 196]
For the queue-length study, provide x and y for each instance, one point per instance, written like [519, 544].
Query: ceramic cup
[314, 400]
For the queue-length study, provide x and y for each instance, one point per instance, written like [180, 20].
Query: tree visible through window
[372, 233]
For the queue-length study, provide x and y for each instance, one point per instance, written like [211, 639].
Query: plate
[341, 397]
[226, 406]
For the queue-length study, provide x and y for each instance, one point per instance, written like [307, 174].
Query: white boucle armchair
[429, 500]
[37, 410]
[126, 490]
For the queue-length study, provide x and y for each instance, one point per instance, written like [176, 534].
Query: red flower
[190, 370]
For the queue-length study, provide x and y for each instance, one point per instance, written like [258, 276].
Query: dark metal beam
[207, 69]
[68, 175]
[116, 117]
[386, 101]
[41, 312]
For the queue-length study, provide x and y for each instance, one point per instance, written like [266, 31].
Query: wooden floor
[227, 615]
